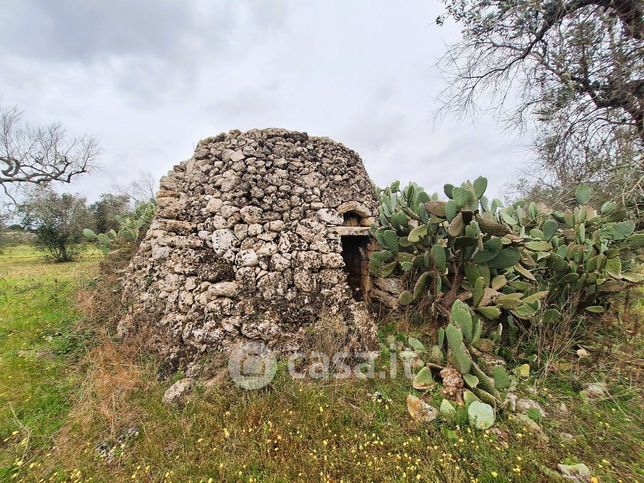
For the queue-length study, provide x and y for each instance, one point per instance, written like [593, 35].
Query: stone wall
[246, 245]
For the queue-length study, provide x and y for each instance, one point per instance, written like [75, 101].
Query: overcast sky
[148, 79]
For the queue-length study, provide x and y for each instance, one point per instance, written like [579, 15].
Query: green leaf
[508, 219]
[491, 248]
[633, 277]
[399, 220]
[460, 357]
[623, 230]
[520, 285]
[462, 317]
[501, 378]
[417, 233]
[421, 283]
[447, 189]
[436, 356]
[536, 233]
[462, 197]
[536, 296]
[608, 207]
[523, 371]
[525, 311]
[478, 290]
[440, 257]
[128, 234]
[534, 414]
[480, 415]
[509, 301]
[550, 316]
[416, 345]
[506, 258]
[491, 312]
[405, 298]
[388, 268]
[87, 233]
[549, 229]
[441, 337]
[471, 380]
[476, 330]
[595, 309]
[423, 379]
[582, 194]
[614, 267]
[446, 409]
[636, 240]
[525, 272]
[382, 256]
[469, 397]
[480, 185]
[451, 210]
[498, 282]
[390, 240]
[538, 246]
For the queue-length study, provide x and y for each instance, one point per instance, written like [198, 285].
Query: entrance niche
[354, 236]
[356, 264]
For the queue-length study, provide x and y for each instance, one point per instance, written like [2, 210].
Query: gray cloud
[82, 30]
[150, 78]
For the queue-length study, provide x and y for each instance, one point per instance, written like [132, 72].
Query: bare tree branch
[40, 155]
[576, 72]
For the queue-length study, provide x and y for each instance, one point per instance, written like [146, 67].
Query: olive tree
[572, 69]
[57, 220]
[107, 208]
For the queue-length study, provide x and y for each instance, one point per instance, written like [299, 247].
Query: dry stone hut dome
[260, 236]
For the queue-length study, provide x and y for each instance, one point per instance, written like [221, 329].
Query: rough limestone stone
[243, 249]
[225, 289]
[222, 240]
[178, 391]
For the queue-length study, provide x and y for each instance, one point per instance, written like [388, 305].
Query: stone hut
[260, 236]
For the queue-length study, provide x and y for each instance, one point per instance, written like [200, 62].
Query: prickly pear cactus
[501, 261]
[481, 269]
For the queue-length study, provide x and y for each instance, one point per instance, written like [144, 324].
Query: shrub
[130, 230]
[107, 208]
[485, 269]
[58, 221]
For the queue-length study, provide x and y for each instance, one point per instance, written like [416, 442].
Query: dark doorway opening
[356, 264]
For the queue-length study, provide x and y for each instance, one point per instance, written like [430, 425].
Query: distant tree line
[58, 220]
[32, 159]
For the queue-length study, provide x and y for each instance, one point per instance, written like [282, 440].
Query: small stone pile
[246, 246]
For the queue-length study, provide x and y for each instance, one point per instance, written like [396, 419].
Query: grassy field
[77, 406]
[39, 349]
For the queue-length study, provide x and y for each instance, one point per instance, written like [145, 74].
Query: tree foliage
[107, 208]
[58, 221]
[574, 66]
[40, 155]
